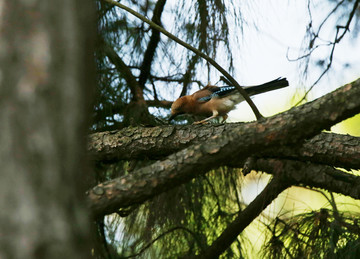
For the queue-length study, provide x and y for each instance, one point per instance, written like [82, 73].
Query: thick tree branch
[326, 148]
[287, 128]
[159, 142]
[312, 175]
[152, 143]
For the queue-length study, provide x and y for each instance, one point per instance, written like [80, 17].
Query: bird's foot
[200, 122]
[224, 117]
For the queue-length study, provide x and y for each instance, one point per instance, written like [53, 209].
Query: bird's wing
[211, 91]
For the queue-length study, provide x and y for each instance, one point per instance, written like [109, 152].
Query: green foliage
[183, 221]
[203, 24]
[317, 234]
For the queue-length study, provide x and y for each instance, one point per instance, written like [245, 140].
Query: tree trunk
[46, 62]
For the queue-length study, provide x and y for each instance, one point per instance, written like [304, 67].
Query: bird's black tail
[269, 86]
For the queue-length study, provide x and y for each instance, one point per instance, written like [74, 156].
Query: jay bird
[213, 101]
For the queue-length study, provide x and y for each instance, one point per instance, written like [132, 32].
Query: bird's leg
[224, 117]
[215, 114]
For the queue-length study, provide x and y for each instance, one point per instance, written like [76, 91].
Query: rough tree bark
[288, 129]
[155, 143]
[46, 57]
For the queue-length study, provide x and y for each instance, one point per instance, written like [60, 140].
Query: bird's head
[178, 107]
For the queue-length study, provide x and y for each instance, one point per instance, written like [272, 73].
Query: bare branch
[338, 37]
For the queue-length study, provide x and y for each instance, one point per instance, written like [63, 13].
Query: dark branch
[152, 45]
[123, 69]
[286, 173]
[312, 175]
[271, 191]
[338, 37]
[159, 103]
[159, 142]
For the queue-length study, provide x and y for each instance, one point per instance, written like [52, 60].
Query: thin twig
[201, 54]
[336, 40]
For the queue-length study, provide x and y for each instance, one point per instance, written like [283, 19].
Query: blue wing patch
[220, 92]
[225, 90]
[205, 98]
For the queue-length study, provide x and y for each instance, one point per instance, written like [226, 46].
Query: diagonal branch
[122, 68]
[201, 54]
[245, 217]
[286, 173]
[288, 128]
[136, 112]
